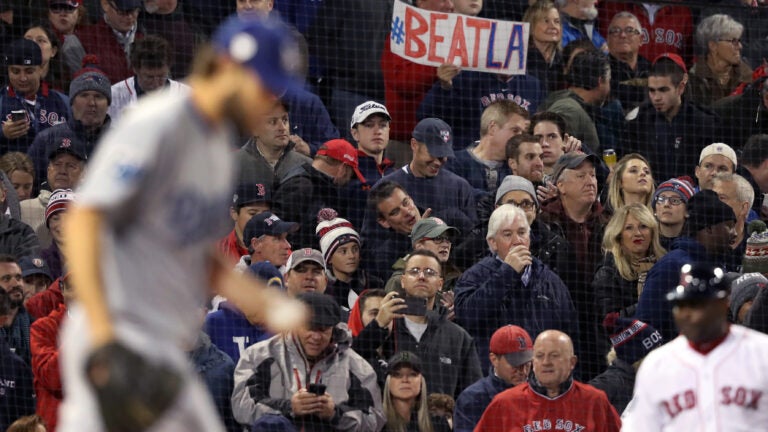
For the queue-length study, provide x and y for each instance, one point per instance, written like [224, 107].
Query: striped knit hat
[334, 232]
[756, 254]
[682, 186]
[59, 201]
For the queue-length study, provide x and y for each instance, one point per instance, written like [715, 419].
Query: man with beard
[524, 158]
[16, 329]
[578, 18]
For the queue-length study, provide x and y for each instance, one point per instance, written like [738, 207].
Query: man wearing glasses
[437, 237]
[110, 39]
[629, 70]
[447, 350]
[669, 207]
[511, 286]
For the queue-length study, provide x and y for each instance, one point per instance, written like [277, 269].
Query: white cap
[719, 149]
[366, 109]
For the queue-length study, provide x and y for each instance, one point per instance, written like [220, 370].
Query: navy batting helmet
[699, 282]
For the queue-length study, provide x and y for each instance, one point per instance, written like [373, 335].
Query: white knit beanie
[334, 232]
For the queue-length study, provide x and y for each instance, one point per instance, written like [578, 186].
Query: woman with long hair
[53, 71]
[631, 246]
[545, 58]
[632, 182]
[405, 397]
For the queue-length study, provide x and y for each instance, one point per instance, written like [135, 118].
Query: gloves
[132, 392]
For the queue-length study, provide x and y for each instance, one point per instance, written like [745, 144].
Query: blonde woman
[545, 57]
[632, 182]
[405, 397]
[631, 246]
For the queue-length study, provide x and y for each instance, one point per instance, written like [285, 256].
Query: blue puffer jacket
[473, 401]
[653, 307]
[491, 294]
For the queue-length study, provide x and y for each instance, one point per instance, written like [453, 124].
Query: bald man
[551, 399]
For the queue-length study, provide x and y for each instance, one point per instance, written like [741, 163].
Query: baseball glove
[132, 393]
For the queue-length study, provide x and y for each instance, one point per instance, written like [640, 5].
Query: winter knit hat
[756, 255]
[59, 201]
[334, 232]
[744, 289]
[632, 339]
[681, 186]
[91, 80]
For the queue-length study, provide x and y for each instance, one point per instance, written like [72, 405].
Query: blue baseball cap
[264, 45]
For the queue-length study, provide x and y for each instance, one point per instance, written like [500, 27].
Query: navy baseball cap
[264, 45]
[63, 140]
[251, 193]
[268, 273]
[437, 135]
[325, 311]
[33, 266]
[126, 5]
[267, 223]
[699, 281]
[23, 52]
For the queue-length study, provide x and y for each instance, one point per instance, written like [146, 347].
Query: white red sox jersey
[680, 389]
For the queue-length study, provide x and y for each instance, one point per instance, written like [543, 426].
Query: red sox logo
[65, 143]
[260, 189]
[521, 341]
[445, 135]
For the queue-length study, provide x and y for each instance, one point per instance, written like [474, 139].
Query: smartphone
[318, 389]
[414, 306]
[18, 115]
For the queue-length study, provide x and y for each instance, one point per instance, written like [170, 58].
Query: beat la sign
[435, 38]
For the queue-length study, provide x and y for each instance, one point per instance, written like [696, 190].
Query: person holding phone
[27, 106]
[412, 322]
[309, 379]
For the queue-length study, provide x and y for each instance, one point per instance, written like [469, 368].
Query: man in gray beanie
[743, 293]
[90, 95]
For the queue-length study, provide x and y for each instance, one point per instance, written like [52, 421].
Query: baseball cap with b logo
[342, 151]
[513, 343]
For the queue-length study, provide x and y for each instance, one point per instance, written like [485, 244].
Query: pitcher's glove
[132, 392]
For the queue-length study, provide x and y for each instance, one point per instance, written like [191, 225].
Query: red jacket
[671, 31]
[98, 39]
[581, 408]
[45, 302]
[44, 342]
[405, 85]
[229, 247]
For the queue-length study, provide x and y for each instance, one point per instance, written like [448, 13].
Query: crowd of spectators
[504, 242]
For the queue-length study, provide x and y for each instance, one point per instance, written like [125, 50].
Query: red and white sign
[435, 38]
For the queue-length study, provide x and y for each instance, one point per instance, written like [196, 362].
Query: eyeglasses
[675, 201]
[735, 42]
[524, 204]
[438, 240]
[61, 8]
[629, 31]
[427, 272]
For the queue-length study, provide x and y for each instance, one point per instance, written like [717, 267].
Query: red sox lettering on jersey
[679, 388]
[741, 396]
[556, 425]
